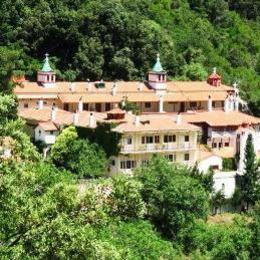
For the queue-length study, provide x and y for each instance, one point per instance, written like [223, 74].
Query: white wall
[213, 160]
[45, 136]
[225, 182]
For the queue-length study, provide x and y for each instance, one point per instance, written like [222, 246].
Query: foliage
[119, 39]
[42, 216]
[206, 179]
[103, 136]
[221, 241]
[255, 228]
[125, 199]
[174, 200]
[218, 200]
[137, 240]
[229, 164]
[250, 187]
[78, 155]
[130, 106]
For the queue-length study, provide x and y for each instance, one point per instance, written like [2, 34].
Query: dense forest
[118, 39]
[63, 206]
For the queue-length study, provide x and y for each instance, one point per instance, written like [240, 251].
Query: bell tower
[157, 77]
[46, 76]
[214, 79]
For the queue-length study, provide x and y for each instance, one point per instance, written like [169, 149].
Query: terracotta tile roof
[48, 126]
[155, 124]
[44, 115]
[204, 153]
[225, 152]
[189, 86]
[89, 98]
[135, 91]
[221, 118]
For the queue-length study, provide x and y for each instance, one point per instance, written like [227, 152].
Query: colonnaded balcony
[151, 148]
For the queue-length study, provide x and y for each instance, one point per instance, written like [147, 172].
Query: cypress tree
[250, 180]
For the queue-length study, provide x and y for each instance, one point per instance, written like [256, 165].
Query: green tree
[125, 199]
[174, 200]
[250, 181]
[78, 155]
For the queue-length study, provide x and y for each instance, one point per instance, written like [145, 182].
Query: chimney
[209, 104]
[53, 113]
[75, 118]
[140, 86]
[161, 104]
[80, 105]
[40, 104]
[137, 120]
[114, 89]
[236, 104]
[232, 103]
[72, 87]
[226, 104]
[92, 120]
[178, 119]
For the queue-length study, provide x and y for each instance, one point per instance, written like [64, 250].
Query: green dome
[158, 66]
[46, 66]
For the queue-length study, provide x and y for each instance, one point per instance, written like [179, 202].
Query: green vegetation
[78, 155]
[161, 212]
[248, 190]
[119, 39]
[229, 164]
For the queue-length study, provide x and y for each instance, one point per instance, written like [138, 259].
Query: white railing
[157, 147]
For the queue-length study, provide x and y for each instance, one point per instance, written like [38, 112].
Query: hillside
[118, 39]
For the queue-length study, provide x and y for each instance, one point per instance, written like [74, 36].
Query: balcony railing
[157, 147]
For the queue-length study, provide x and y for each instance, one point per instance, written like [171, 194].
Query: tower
[214, 79]
[157, 77]
[46, 76]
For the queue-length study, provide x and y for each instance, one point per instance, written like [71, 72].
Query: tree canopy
[119, 39]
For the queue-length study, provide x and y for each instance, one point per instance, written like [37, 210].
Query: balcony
[153, 148]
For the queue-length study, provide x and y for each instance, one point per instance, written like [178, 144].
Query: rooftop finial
[46, 66]
[235, 85]
[158, 66]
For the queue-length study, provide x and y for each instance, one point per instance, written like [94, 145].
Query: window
[40, 132]
[25, 105]
[186, 157]
[193, 104]
[169, 138]
[147, 139]
[85, 106]
[213, 103]
[45, 102]
[214, 145]
[157, 139]
[170, 157]
[107, 106]
[226, 144]
[129, 164]
[145, 162]
[51, 132]
[129, 140]
[66, 106]
[54, 104]
[113, 162]
[147, 105]
[186, 138]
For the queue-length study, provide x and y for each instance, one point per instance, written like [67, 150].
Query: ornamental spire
[158, 66]
[46, 66]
